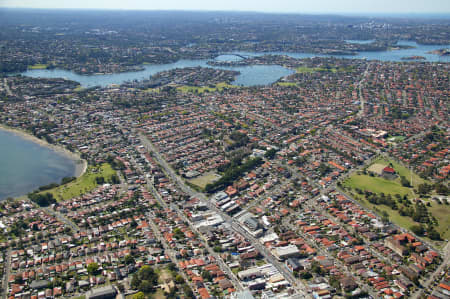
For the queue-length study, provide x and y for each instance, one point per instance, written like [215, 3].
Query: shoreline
[80, 164]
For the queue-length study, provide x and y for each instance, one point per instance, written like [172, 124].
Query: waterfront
[250, 75]
[389, 55]
[27, 165]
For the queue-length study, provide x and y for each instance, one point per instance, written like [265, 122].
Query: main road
[164, 204]
[361, 97]
[298, 286]
[7, 269]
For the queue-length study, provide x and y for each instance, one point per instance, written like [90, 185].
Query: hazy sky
[300, 6]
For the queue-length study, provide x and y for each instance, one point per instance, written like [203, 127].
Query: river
[250, 75]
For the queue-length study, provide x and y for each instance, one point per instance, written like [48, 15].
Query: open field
[83, 184]
[376, 168]
[158, 295]
[376, 185]
[205, 179]
[164, 275]
[201, 89]
[38, 67]
[287, 83]
[396, 138]
[379, 185]
[305, 69]
[402, 171]
[441, 212]
[394, 216]
[157, 90]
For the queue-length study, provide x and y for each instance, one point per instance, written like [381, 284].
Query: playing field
[201, 89]
[83, 184]
[442, 212]
[38, 67]
[205, 179]
[377, 184]
[287, 84]
[376, 168]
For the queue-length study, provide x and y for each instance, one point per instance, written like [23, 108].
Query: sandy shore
[80, 164]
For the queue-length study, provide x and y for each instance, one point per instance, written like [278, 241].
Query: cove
[26, 165]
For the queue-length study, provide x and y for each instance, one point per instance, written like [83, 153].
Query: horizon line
[336, 13]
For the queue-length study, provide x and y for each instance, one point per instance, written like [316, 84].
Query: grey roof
[39, 284]
[243, 295]
[103, 292]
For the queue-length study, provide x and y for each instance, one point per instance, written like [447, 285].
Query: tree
[418, 229]
[145, 279]
[172, 267]
[147, 273]
[179, 279]
[100, 180]
[424, 188]
[18, 279]
[115, 179]
[334, 282]
[404, 182]
[43, 200]
[92, 268]
[135, 281]
[139, 295]
[316, 268]
[434, 235]
[66, 180]
[270, 154]
[206, 275]
[178, 234]
[145, 286]
[188, 292]
[306, 275]
[442, 189]
[384, 217]
[129, 259]
[120, 287]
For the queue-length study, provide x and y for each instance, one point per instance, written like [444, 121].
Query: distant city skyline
[284, 6]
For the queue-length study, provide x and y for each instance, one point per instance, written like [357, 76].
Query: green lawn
[83, 184]
[38, 67]
[201, 89]
[403, 171]
[159, 294]
[396, 138]
[394, 216]
[157, 90]
[163, 275]
[205, 179]
[376, 184]
[441, 212]
[305, 69]
[334, 69]
[287, 84]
